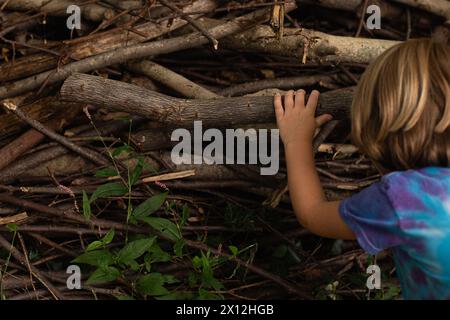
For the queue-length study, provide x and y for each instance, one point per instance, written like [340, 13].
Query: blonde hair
[401, 109]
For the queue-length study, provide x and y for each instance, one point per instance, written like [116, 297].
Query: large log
[219, 112]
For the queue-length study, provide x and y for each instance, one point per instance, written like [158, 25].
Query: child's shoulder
[423, 179]
[424, 190]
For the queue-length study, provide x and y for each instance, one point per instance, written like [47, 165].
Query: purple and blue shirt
[407, 212]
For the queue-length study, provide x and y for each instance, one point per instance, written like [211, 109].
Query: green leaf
[185, 215]
[107, 172]
[112, 189]
[12, 227]
[152, 285]
[135, 249]
[98, 258]
[165, 226]
[103, 274]
[121, 149]
[156, 254]
[149, 206]
[102, 242]
[94, 245]
[86, 206]
[178, 247]
[169, 279]
[108, 237]
[136, 173]
[234, 250]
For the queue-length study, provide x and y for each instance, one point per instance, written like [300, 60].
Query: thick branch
[100, 42]
[137, 51]
[437, 7]
[91, 11]
[307, 45]
[121, 96]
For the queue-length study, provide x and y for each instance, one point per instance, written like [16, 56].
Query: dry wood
[42, 110]
[221, 112]
[309, 45]
[280, 83]
[13, 219]
[171, 79]
[58, 7]
[311, 48]
[437, 7]
[96, 158]
[137, 51]
[388, 10]
[119, 37]
[32, 137]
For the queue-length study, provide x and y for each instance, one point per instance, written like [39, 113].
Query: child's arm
[297, 125]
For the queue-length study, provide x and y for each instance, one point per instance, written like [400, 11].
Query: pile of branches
[87, 183]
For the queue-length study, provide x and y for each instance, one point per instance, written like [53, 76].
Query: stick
[13, 219]
[171, 79]
[90, 45]
[137, 51]
[19, 257]
[279, 83]
[89, 154]
[32, 137]
[291, 288]
[91, 11]
[437, 7]
[170, 176]
[206, 33]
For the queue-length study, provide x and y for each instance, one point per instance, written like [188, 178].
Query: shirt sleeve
[371, 216]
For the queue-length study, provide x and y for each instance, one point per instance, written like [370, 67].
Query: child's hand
[296, 121]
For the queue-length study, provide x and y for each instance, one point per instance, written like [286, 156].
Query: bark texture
[121, 96]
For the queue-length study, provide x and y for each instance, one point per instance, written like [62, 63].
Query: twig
[170, 176]
[290, 287]
[13, 219]
[122, 55]
[324, 133]
[194, 23]
[279, 83]
[89, 154]
[361, 20]
[19, 257]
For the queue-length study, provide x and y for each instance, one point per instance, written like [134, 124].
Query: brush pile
[92, 205]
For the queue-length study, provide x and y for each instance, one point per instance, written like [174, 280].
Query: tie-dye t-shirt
[408, 212]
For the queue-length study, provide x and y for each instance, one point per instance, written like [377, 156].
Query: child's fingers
[312, 101]
[279, 112]
[322, 119]
[289, 101]
[300, 99]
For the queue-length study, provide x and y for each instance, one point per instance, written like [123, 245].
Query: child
[401, 119]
